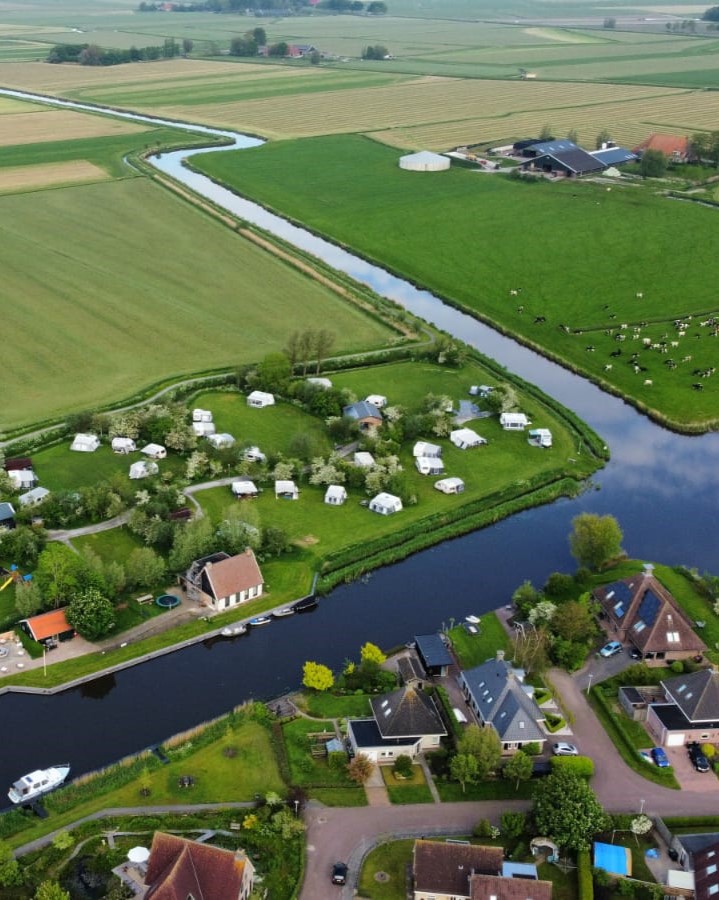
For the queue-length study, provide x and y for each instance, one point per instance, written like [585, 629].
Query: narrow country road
[67, 534]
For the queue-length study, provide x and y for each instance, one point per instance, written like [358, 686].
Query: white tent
[288, 490]
[320, 382]
[254, 454]
[220, 441]
[540, 437]
[244, 489]
[513, 421]
[123, 445]
[33, 497]
[260, 399]
[22, 479]
[424, 161]
[377, 400]
[363, 459]
[335, 495]
[201, 415]
[450, 485]
[424, 448]
[85, 443]
[385, 504]
[465, 438]
[429, 465]
[203, 429]
[143, 468]
[154, 451]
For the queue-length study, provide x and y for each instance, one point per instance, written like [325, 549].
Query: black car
[699, 761]
[339, 873]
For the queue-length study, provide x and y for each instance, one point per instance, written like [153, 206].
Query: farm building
[244, 489]
[22, 479]
[221, 581]
[335, 495]
[450, 485]
[424, 448]
[674, 147]
[201, 415]
[363, 459]
[424, 161]
[203, 429]
[221, 441]
[123, 445]
[323, 383]
[33, 497]
[85, 443]
[143, 468]
[540, 437]
[366, 414]
[288, 490]
[7, 516]
[385, 504]
[560, 158]
[513, 421]
[465, 438]
[429, 465]
[613, 156]
[254, 454]
[154, 451]
[378, 400]
[260, 399]
[49, 627]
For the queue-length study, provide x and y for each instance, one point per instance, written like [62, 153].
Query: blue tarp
[612, 858]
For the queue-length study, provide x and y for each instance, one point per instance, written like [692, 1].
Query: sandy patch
[59, 125]
[22, 178]
[307, 541]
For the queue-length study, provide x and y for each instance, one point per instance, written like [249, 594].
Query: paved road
[67, 534]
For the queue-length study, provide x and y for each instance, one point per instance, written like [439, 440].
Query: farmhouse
[260, 399]
[143, 468]
[181, 868]
[450, 485]
[378, 400]
[154, 451]
[243, 489]
[423, 448]
[540, 437]
[511, 421]
[7, 516]
[363, 459]
[33, 497]
[50, 627]
[674, 147]
[560, 158]
[335, 495]
[323, 383]
[366, 414]
[201, 415]
[424, 161]
[203, 429]
[405, 721]
[496, 693]
[221, 581]
[690, 711]
[288, 490]
[639, 609]
[429, 465]
[465, 438]
[123, 445]
[22, 479]
[85, 443]
[221, 441]
[385, 504]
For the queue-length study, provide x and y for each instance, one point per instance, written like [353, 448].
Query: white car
[564, 749]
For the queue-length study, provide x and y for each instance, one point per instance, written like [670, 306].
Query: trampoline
[613, 858]
[168, 601]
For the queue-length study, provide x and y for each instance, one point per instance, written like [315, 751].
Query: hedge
[585, 881]
[579, 765]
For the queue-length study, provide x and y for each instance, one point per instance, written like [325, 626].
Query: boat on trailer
[37, 783]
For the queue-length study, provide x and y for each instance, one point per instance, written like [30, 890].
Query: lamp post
[589, 683]
[297, 806]
[641, 806]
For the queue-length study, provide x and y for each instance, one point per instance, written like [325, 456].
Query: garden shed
[335, 495]
[85, 443]
[433, 654]
[385, 504]
[260, 399]
[288, 490]
[424, 161]
[123, 445]
[154, 451]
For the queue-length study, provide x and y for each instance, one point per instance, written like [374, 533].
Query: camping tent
[244, 489]
[385, 504]
[288, 490]
[260, 399]
[335, 495]
[143, 468]
[464, 438]
[85, 443]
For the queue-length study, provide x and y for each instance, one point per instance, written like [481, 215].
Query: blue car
[660, 757]
[611, 649]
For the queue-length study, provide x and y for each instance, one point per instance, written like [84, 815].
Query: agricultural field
[569, 251]
[23, 178]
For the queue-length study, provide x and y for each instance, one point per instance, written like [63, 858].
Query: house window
[673, 637]
[639, 626]
[711, 869]
[705, 737]
[714, 889]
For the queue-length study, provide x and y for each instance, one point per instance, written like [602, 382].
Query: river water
[662, 487]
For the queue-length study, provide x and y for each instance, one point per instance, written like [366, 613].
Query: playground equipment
[168, 601]
[9, 581]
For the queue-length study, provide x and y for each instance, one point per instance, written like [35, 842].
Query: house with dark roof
[179, 869]
[7, 516]
[690, 711]
[698, 854]
[640, 610]
[220, 581]
[706, 872]
[560, 158]
[405, 722]
[433, 654]
[675, 147]
[496, 693]
[613, 156]
[49, 627]
[366, 414]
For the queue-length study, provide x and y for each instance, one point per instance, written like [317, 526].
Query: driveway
[687, 775]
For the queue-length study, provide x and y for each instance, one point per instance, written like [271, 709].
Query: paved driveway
[687, 775]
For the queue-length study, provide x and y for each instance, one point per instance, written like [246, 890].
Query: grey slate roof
[503, 702]
[697, 695]
[362, 410]
[578, 161]
[406, 712]
[7, 512]
[432, 650]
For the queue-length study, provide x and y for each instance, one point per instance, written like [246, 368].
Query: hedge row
[449, 717]
[585, 881]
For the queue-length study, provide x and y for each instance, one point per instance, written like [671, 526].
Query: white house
[540, 437]
[221, 581]
[385, 504]
[221, 441]
[123, 445]
[143, 468]
[22, 479]
[450, 485]
[203, 429]
[324, 383]
[254, 454]
[363, 459]
[85, 443]
[201, 415]
[377, 400]
[154, 451]
[33, 497]
[260, 399]
[429, 465]
[465, 438]
[513, 421]
[244, 488]
[424, 448]
[288, 490]
[335, 495]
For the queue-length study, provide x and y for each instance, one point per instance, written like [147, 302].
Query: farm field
[584, 273]
[21, 178]
[164, 292]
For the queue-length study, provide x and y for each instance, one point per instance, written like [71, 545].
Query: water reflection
[99, 688]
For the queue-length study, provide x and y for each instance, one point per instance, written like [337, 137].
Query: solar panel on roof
[649, 607]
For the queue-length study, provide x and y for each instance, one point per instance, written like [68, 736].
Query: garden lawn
[584, 273]
[304, 768]
[391, 858]
[474, 649]
[111, 546]
[498, 789]
[331, 706]
[409, 790]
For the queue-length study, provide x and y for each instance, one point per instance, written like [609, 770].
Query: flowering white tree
[542, 613]
[197, 465]
[283, 471]
[326, 472]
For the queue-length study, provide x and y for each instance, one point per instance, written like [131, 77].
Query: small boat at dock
[306, 604]
[234, 631]
[260, 620]
[281, 613]
[37, 783]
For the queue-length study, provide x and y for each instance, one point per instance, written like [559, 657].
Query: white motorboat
[285, 611]
[473, 620]
[34, 785]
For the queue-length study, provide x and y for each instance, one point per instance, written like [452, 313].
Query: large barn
[560, 158]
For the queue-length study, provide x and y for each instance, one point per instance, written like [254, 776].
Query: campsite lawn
[576, 266]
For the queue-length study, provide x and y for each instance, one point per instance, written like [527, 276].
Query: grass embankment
[584, 275]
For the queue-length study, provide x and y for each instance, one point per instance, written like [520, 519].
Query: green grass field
[163, 292]
[569, 249]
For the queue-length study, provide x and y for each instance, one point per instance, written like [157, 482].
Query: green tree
[22, 545]
[377, 8]
[324, 340]
[144, 568]
[574, 621]
[59, 573]
[274, 372]
[525, 598]
[377, 51]
[10, 871]
[595, 540]
[28, 599]
[463, 768]
[192, 541]
[260, 36]
[653, 164]
[513, 824]
[91, 614]
[484, 745]
[518, 768]
[403, 766]
[545, 133]
[371, 653]
[317, 677]
[315, 58]
[602, 138]
[282, 48]
[573, 135]
[567, 810]
[187, 45]
[51, 890]
[360, 768]
[63, 840]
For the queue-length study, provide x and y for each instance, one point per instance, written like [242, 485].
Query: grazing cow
[520, 309]
[698, 387]
[648, 382]
[616, 353]
[589, 349]
[538, 320]
[640, 295]
[608, 367]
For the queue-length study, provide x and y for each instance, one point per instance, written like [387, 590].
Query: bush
[533, 748]
[483, 828]
[513, 824]
[579, 765]
[403, 766]
[709, 750]
[553, 722]
[677, 667]
[585, 885]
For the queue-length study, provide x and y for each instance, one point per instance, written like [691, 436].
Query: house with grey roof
[7, 516]
[690, 711]
[498, 696]
[404, 722]
[366, 414]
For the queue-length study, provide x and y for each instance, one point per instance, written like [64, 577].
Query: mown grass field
[570, 251]
[164, 291]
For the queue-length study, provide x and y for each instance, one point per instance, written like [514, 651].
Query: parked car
[611, 649]
[562, 748]
[660, 758]
[635, 653]
[339, 873]
[699, 761]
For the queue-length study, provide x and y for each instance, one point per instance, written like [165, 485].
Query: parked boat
[473, 620]
[234, 631]
[306, 604]
[37, 783]
[260, 620]
[285, 611]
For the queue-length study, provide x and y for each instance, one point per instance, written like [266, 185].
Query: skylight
[673, 637]
[640, 626]
[388, 712]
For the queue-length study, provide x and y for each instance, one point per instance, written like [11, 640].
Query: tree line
[373, 8]
[94, 55]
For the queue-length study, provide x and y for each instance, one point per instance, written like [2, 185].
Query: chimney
[500, 655]
[648, 570]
